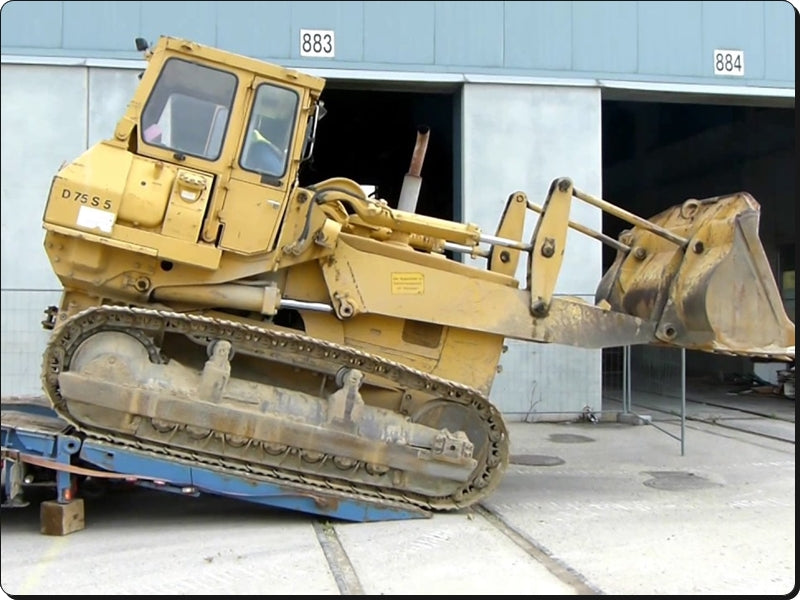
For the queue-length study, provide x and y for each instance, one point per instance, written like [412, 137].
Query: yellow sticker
[788, 280]
[408, 283]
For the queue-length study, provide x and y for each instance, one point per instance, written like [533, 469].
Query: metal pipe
[421, 146]
[412, 182]
[300, 305]
[498, 241]
[624, 380]
[601, 237]
[683, 401]
[473, 250]
[631, 218]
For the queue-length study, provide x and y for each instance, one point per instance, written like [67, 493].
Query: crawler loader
[217, 311]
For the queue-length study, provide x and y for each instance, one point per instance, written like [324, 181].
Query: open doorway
[369, 136]
[657, 154]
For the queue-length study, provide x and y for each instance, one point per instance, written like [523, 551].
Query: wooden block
[61, 519]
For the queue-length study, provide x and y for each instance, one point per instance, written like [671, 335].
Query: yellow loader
[216, 311]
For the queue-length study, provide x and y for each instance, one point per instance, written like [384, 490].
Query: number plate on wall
[729, 62]
[317, 42]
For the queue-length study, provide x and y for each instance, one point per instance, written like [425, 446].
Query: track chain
[289, 348]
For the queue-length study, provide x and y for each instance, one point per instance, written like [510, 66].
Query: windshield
[188, 109]
[269, 132]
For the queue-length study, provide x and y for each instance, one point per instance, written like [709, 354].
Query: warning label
[408, 283]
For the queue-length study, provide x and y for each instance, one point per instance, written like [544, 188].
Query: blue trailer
[39, 448]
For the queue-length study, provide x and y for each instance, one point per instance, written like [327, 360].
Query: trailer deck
[35, 441]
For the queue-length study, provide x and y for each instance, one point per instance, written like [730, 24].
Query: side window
[269, 132]
[188, 109]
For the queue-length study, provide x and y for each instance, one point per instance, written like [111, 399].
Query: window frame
[266, 176]
[212, 125]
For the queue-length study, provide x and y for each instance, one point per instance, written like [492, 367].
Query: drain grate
[677, 480]
[535, 460]
[569, 438]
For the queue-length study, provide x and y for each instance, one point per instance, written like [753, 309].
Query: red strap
[16, 455]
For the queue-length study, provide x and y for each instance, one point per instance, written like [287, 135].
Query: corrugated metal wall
[639, 41]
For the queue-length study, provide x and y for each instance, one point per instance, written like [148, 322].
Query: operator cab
[241, 126]
[188, 112]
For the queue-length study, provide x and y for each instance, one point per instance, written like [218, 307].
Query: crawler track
[149, 325]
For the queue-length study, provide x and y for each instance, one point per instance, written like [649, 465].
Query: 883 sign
[317, 42]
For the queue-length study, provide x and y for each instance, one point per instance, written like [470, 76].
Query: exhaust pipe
[409, 193]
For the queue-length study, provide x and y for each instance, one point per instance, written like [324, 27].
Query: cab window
[188, 109]
[269, 131]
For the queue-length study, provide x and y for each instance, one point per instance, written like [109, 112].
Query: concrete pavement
[603, 508]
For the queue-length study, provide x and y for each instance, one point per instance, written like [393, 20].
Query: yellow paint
[35, 577]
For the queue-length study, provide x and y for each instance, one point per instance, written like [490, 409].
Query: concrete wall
[49, 116]
[521, 138]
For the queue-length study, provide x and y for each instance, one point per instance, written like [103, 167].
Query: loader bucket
[709, 286]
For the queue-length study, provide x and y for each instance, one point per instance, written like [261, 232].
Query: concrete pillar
[522, 137]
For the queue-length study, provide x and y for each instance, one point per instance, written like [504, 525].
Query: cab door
[263, 171]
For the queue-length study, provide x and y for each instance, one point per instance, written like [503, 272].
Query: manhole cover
[569, 438]
[677, 480]
[535, 460]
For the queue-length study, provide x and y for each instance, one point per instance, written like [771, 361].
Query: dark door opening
[658, 154]
[369, 136]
